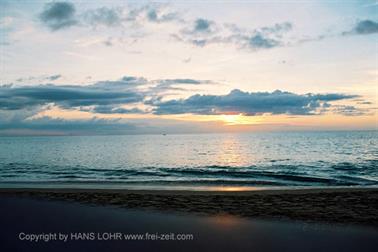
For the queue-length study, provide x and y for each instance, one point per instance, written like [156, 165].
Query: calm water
[257, 159]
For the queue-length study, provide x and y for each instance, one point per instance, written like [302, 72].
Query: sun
[237, 119]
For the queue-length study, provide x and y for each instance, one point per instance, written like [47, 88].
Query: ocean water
[242, 160]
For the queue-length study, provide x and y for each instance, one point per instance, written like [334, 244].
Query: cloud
[58, 15]
[67, 96]
[106, 97]
[158, 14]
[42, 78]
[365, 103]
[98, 126]
[21, 106]
[104, 16]
[348, 110]
[239, 102]
[138, 95]
[106, 109]
[152, 13]
[205, 32]
[259, 41]
[165, 85]
[125, 83]
[202, 25]
[199, 32]
[182, 81]
[58, 126]
[54, 77]
[362, 27]
[261, 38]
[365, 27]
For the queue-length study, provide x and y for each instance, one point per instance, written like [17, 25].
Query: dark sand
[272, 220]
[343, 205]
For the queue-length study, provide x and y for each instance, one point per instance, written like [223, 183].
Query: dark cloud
[205, 32]
[363, 27]
[14, 98]
[260, 38]
[106, 109]
[125, 83]
[128, 94]
[239, 102]
[58, 15]
[157, 14]
[200, 33]
[259, 41]
[39, 78]
[105, 97]
[366, 27]
[54, 77]
[201, 42]
[202, 25]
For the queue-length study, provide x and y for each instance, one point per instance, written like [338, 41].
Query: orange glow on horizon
[234, 123]
[238, 119]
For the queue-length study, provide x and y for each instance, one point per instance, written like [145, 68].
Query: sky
[140, 67]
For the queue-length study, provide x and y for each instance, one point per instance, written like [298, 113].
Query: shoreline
[117, 186]
[222, 190]
[322, 205]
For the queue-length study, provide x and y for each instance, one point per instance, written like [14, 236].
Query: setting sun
[238, 119]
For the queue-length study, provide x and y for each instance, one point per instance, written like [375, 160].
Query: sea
[192, 161]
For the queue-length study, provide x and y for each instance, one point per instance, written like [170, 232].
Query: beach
[342, 219]
[337, 205]
[189, 126]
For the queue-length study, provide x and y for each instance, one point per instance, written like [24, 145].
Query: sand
[29, 215]
[342, 205]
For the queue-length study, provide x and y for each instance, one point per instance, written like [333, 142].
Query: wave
[320, 174]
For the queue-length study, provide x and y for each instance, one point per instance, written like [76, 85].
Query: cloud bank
[13, 98]
[251, 104]
[106, 97]
[143, 96]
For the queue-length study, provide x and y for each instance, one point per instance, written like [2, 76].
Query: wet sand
[341, 205]
[216, 232]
